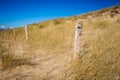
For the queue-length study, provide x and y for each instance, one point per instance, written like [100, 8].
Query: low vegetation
[49, 50]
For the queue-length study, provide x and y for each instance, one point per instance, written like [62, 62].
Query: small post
[14, 32]
[26, 32]
[77, 40]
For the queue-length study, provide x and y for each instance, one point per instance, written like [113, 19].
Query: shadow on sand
[9, 62]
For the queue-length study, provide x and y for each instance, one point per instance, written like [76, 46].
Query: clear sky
[16, 13]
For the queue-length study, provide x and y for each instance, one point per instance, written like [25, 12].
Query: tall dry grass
[101, 54]
[100, 47]
[52, 37]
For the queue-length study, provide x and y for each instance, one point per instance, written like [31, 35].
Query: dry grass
[101, 59]
[52, 37]
[7, 60]
[50, 47]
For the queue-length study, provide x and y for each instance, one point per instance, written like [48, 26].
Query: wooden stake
[26, 32]
[77, 40]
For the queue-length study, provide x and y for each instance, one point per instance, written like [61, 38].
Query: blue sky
[17, 13]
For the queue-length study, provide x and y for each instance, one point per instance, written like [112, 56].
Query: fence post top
[79, 25]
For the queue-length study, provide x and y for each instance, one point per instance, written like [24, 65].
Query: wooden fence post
[14, 32]
[77, 40]
[26, 32]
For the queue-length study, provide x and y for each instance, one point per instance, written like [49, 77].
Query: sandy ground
[36, 66]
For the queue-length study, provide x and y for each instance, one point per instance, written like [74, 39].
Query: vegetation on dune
[103, 58]
[100, 48]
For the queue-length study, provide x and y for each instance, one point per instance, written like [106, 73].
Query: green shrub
[59, 21]
[101, 24]
[7, 60]
[41, 26]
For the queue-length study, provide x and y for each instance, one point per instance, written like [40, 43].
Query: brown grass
[50, 45]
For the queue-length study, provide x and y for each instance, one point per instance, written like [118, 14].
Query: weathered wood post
[77, 40]
[14, 32]
[26, 32]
